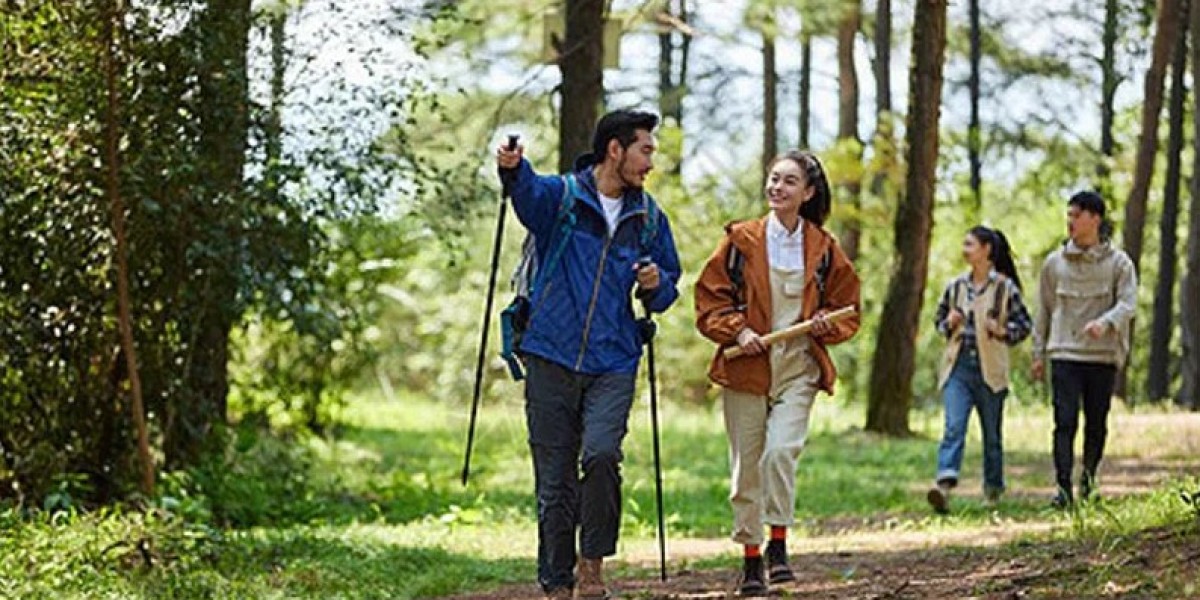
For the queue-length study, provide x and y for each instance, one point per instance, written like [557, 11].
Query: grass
[385, 517]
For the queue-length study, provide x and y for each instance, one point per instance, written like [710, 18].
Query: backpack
[735, 264]
[529, 276]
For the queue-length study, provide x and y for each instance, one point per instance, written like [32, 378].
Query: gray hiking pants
[575, 420]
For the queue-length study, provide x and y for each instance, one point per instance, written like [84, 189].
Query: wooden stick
[794, 331]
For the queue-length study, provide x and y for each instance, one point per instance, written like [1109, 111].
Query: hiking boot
[991, 498]
[1087, 488]
[1062, 500]
[589, 577]
[939, 499]
[752, 582]
[559, 594]
[778, 570]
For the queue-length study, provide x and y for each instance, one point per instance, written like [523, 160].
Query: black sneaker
[1087, 488]
[752, 583]
[778, 570]
[1062, 500]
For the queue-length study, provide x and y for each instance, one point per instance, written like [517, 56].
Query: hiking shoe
[1062, 501]
[778, 570]
[752, 582]
[559, 594]
[589, 577]
[1087, 488]
[939, 499]
[991, 498]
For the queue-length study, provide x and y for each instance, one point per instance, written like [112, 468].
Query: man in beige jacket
[1087, 298]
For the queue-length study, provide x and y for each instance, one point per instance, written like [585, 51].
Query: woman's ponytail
[1001, 253]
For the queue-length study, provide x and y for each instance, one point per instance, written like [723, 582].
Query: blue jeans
[966, 389]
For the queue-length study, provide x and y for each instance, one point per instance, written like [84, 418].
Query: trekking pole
[505, 181]
[649, 329]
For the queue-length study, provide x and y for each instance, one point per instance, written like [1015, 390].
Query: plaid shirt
[1019, 324]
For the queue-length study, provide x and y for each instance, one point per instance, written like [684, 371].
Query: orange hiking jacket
[718, 319]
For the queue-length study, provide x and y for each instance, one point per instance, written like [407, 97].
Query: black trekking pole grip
[497, 242]
[648, 334]
[506, 175]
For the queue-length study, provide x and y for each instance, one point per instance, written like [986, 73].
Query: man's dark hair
[621, 125]
[1089, 201]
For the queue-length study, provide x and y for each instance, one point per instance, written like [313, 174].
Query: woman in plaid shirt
[981, 314]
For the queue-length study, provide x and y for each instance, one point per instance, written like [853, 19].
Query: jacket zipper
[587, 323]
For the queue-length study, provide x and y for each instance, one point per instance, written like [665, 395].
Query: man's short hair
[1089, 201]
[621, 125]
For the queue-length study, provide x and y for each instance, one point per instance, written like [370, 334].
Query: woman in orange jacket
[766, 275]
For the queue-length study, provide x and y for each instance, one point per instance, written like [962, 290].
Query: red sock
[753, 551]
[778, 534]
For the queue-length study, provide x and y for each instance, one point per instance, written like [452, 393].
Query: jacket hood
[1094, 253]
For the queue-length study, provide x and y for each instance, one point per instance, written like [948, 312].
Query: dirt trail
[877, 558]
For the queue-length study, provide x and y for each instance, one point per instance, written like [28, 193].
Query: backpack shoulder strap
[822, 275]
[735, 266]
[649, 231]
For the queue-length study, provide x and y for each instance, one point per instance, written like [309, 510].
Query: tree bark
[1110, 80]
[890, 395]
[1159, 379]
[884, 148]
[112, 171]
[224, 125]
[672, 79]
[581, 60]
[848, 115]
[805, 89]
[974, 131]
[1189, 293]
[770, 101]
[273, 128]
[1166, 28]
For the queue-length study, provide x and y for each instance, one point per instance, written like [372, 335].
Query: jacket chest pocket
[1080, 302]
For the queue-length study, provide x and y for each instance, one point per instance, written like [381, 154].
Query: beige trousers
[767, 433]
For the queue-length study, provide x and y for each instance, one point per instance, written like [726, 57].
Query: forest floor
[375, 510]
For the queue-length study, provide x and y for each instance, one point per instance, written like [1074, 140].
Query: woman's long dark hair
[1000, 252]
[817, 208]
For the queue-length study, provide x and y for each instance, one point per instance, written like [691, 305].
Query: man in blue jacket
[583, 343]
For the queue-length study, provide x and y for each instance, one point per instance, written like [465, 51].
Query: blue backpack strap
[566, 224]
[649, 231]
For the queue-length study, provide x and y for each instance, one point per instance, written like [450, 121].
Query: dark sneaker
[1087, 488]
[1062, 501]
[752, 582]
[778, 570]
[589, 577]
[991, 498]
[559, 594]
[939, 499]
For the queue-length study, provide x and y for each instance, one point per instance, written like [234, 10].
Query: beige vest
[993, 353]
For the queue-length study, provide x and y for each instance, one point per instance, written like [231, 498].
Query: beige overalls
[766, 434]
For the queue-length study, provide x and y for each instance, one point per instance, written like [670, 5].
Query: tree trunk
[770, 101]
[112, 170]
[974, 131]
[805, 88]
[848, 115]
[1166, 28]
[581, 60]
[1110, 80]
[671, 80]
[273, 128]
[1189, 294]
[1160, 338]
[884, 148]
[895, 351]
[224, 124]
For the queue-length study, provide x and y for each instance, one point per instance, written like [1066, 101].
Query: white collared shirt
[785, 250]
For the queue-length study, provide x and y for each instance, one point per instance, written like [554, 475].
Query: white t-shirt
[612, 211]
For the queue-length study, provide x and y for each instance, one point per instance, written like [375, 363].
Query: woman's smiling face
[787, 187]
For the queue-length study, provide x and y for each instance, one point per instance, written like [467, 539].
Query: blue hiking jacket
[582, 315]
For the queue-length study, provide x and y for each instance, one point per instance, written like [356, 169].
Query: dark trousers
[1091, 383]
[575, 421]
